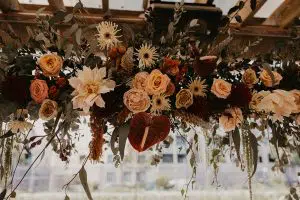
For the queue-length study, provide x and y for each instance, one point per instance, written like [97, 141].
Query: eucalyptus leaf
[68, 51]
[113, 140]
[67, 197]
[72, 30]
[83, 180]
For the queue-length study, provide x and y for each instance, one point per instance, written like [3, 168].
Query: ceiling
[136, 5]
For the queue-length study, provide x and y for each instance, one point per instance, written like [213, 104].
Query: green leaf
[39, 11]
[72, 30]
[254, 147]
[237, 142]
[182, 192]
[93, 46]
[123, 134]
[113, 140]
[6, 135]
[67, 197]
[2, 194]
[78, 36]
[42, 37]
[77, 6]
[68, 18]
[83, 180]
[13, 194]
[238, 18]
[68, 51]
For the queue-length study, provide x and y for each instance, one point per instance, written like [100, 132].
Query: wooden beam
[260, 31]
[57, 5]
[247, 13]
[9, 5]
[284, 15]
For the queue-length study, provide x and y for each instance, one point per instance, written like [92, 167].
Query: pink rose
[136, 100]
[39, 90]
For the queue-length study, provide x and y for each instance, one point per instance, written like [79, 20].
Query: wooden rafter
[284, 14]
[247, 13]
[57, 5]
[9, 5]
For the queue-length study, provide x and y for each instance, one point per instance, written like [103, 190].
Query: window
[167, 158]
[140, 177]
[111, 177]
[141, 158]
[127, 176]
[181, 158]
[110, 158]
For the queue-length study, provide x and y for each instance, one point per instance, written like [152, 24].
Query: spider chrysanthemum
[107, 34]
[198, 87]
[147, 55]
[159, 103]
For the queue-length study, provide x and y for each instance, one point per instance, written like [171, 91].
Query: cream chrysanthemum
[159, 103]
[107, 34]
[198, 87]
[147, 55]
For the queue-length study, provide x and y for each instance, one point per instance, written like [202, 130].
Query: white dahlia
[89, 85]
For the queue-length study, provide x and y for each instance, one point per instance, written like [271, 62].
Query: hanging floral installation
[145, 88]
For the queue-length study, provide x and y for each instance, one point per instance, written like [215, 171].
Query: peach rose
[50, 64]
[249, 78]
[221, 88]
[48, 109]
[39, 90]
[157, 82]
[298, 120]
[267, 80]
[280, 103]
[184, 98]
[231, 118]
[256, 99]
[296, 95]
[139, 81]
[136, 100]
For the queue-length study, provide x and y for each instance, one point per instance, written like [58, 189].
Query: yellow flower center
[91, 88]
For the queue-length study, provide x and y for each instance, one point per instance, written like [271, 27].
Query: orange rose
[184, 98]
[231, 118]
[249, 78]
[48, 109]
[50, 64]
[136, 100]
[221, 88]
[298, 120]
[267, 80]
[170, 89]
[139, 81]
[157, 83]
[170, 66]
[38, 90]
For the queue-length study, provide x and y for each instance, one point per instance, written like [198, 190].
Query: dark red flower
[170, 66]
[53, 92]
[61, 82]
[240, 95]
[204, 66]
[16, 89]
[200, 108]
